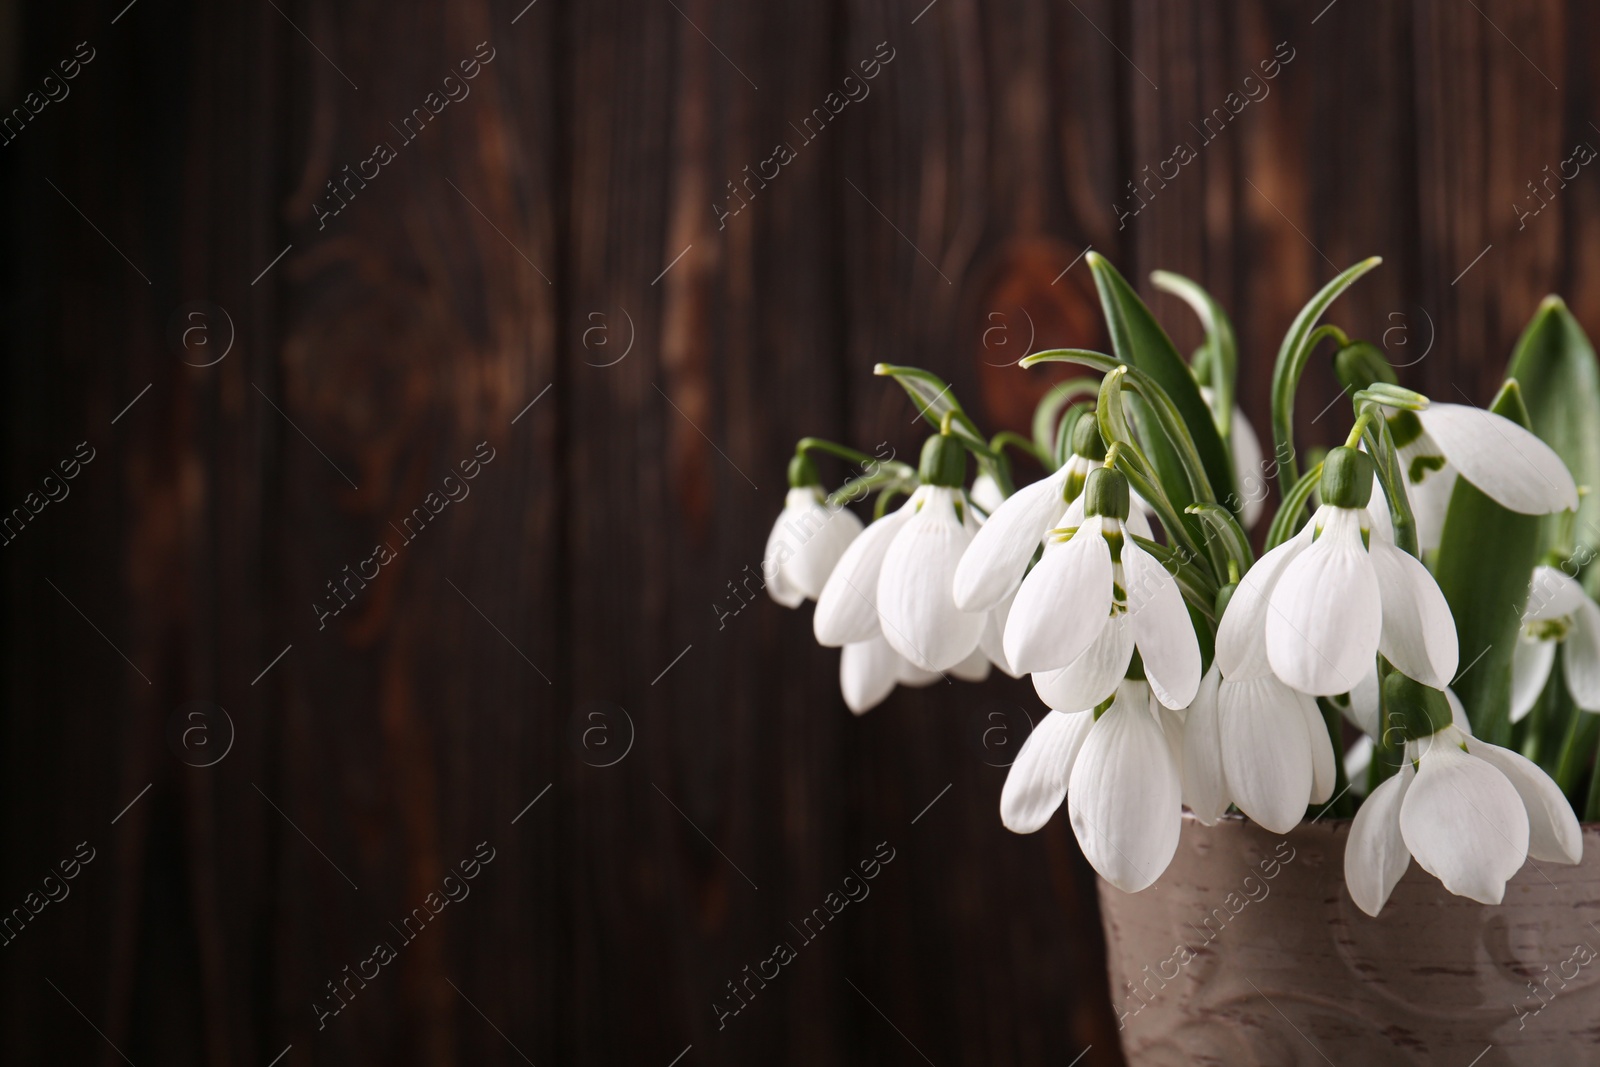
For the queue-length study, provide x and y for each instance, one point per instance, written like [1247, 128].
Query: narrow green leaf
[1140, 342]
[1555, 365]
[1485, 560]
[1297, 344]
[1219, 339]
[1227, 532]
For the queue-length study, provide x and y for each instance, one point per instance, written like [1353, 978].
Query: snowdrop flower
[1255, 743]
[1558, 612]
[1508, 463]
[869, 670]
[917, 614]
[807, 540]
[994, 565]
[1094, 599]
[1469, 812]
[1339, 592]
[1117, 768]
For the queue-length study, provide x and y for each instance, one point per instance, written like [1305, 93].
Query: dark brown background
[927, 224]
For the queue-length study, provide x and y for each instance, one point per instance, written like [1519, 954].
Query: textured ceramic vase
[1250, 951]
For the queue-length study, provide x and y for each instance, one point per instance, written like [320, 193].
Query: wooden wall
[562, 237]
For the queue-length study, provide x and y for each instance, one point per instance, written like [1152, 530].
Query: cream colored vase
[1249, 950]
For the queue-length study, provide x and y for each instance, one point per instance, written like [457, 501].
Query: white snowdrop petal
[919, 618]
[1508, 463]
[1138, 522]
[1379, 520]
[1094, 675]
[1375, 855]
[1580, 659]
[909, 674]
[823, 535]
[985, 493]
[1458, 712]
[1241, 637]
[1324, 772]
[777, 553]
[847, 607]
[1418, 633]
[1063, 603]
[975, 668]
[1356, 762]
[867, 674]
[1552, 594]
[1037, 780]
[1161, 627]
[1205, 789]
[1553, 832]
[1366, 702]
[1125, 796]
[992, 640]
[1464, 822]
[1266, 752]
[994, 563]
[1430, 479]
[1325, 611]
[1531, 661]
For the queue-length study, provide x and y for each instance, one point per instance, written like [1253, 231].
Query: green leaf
[1555, 365]
[1141, 343]
[1297, 344]
[1224, 349]
[1485, 560]
[934, 401]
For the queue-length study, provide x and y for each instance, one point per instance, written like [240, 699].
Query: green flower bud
[1360, 364]
[802, 472]
[1347, 478]
[944, 462]
[1086, 440]
[1106, 493]
[1224, 595]
[1416, 709]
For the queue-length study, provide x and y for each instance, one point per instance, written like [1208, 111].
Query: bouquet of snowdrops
[1419, 581]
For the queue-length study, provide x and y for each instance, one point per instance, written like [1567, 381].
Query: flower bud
[1360, 364]
[1086, 440]
[944, 462]
[1416, 709]
[1106, 493]
[802, 472]
[1346, 478]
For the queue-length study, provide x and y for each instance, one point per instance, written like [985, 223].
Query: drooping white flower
[847, 609]
[919, 617]
[1469, 812]
[1037, 780]
[1506, 462]
[1251, 739]
[806, 541]
[1091, 601]
[1125, 791]
[869, 670]
[1558, 612]
[1339, 592]
[993, 567]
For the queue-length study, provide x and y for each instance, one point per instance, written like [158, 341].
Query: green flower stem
[1286, 523]
[1004, 438]
[1048, 415]
[1219, 339]
[1591, 806]
[887, 474]
[1380, 445]
[818, 444]
[1303, 336]
[1583, 730]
